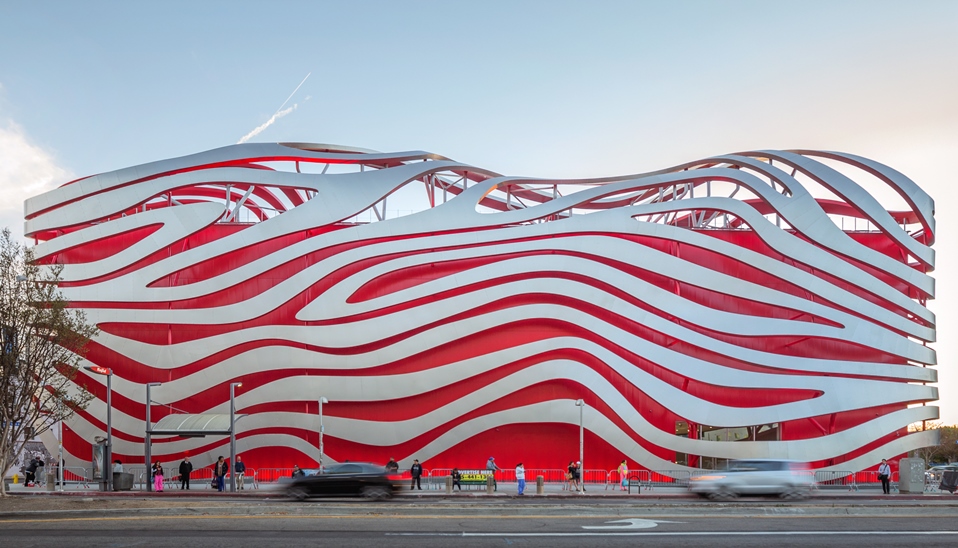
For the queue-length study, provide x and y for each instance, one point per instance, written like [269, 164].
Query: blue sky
[551, 89]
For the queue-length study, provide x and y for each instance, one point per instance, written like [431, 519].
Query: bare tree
[43, 341]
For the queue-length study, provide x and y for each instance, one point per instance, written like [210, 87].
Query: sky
[547, 89]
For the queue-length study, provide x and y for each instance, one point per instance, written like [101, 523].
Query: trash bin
[122, 481]
[51, 481]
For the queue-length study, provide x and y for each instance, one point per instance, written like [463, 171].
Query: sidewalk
[505, 490]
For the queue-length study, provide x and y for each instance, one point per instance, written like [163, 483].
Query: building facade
[760, 304]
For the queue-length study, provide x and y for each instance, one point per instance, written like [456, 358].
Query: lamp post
[149, 426]
[322, 400]
[60, 448]
[233, 386]
[581, 405]
[108, 458]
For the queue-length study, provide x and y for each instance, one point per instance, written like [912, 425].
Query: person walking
[158, 477]
[416, 472]
[239, 469]
[219, 473]
[623, 475]
[492, 468]
[186, 468]
[456, 478]
[521, 477]
[884, 474]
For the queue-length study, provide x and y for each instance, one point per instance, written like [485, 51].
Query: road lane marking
[683, 534]
[633, 523]
[471, 517]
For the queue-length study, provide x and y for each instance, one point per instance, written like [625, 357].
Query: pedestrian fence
[435, 478]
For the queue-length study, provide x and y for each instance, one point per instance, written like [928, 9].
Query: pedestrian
[186, 468]
[623, 475]
[219, 473]
[392, 466]
[239, 469]
[158, 477]
[31, 472]
[416, 472]
[456, 478]
[297, 472]
[884, 473]
[571, 474]
[521, 477]
[492, 468]
[117, 467]
[578, 476]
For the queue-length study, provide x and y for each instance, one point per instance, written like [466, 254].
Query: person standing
[456, 478]
[521, 477]
[31, 472]
[239, 469]
[219, 472]
[186, 468]
[492, 468]
[571, 474]
[158, 477]
[117, 467]
[623, 475]
[884, 474]
[297, 472]
[392, 466]
[577, 476]
[416, 472]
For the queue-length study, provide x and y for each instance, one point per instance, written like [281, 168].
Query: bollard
[540, 485]
[448, 485]
[16, 478]
[490, 486]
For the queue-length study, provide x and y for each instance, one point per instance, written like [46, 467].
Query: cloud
[266, 124]
[26, 170]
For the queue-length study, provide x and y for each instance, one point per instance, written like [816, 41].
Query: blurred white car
[785, 478]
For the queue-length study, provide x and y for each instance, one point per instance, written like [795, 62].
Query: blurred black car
[349, 479]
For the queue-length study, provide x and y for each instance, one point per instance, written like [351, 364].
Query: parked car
[347, 479]
[944, 468]
[785, 478]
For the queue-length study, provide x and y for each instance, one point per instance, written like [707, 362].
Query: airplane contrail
[276, 115]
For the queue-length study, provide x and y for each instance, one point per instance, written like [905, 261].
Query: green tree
[43, 342]
[947, 449]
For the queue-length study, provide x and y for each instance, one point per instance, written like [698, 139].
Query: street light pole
[581, 405]
[322, 400]
[149, 426]
[108, 460]
[233, 386]
[60, 465]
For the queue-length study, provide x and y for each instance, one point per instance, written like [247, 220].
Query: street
[457, 523]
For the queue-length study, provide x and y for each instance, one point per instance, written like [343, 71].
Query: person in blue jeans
[219, 472]
[521, 477]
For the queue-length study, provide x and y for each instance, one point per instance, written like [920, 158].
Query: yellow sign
[473, 477]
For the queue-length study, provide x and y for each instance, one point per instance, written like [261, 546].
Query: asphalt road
[240, 524]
